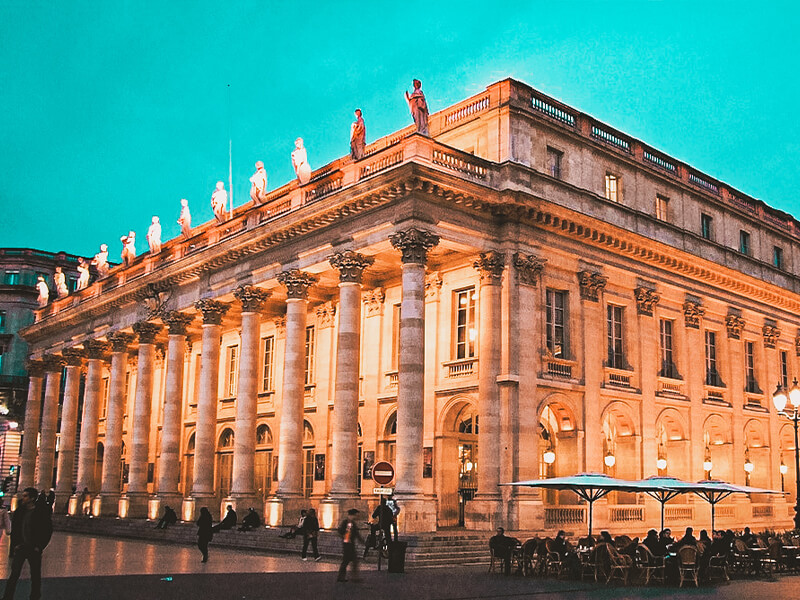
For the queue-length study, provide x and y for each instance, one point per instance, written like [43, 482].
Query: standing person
[348, 529]
[310, 534]
[205, 532]
[169, 518]
[358, 137]
[51, 499]
[418, 107]
[31, 530]
[395, 508]
[84, 501]
[385, 518]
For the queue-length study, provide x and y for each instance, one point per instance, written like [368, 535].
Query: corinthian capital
[591, 284]
[95, 349]
[490, 265]
[73, 357]
[35, 368]
[528, 268]
[351, 265]
[177, 322]
[297, 283]
[414, 244]
[52, 364]
[120, 341]
[251, 297]
[646, 300]
[146, 331]
[212, 310]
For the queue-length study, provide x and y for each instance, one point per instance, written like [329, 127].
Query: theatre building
[526, 293]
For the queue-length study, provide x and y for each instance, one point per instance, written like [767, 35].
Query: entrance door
[467, 477]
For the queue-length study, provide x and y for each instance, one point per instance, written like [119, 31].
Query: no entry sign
[382, 473]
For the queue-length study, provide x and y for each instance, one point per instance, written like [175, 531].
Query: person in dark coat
[310, 534]
[654, 543]
[250, 521]
[31, 530]
[688, 539]
[229, 521]
[384, 517]
[348, 529]
[51, 498]
[205, 532]
[503, 548]
[169, 518]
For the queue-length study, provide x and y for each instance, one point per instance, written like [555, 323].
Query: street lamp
[610, 460]
[549, 457]
[779, 399]
[707, 464]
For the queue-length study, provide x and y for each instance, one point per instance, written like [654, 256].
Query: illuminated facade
[528, 292]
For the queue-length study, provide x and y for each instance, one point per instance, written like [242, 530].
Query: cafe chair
[687, 564]
[651, 567]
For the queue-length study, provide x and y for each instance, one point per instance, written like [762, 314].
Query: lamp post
[780, 399]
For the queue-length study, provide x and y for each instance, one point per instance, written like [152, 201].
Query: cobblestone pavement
[87, 567]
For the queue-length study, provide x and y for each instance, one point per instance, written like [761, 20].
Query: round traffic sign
[382, 472]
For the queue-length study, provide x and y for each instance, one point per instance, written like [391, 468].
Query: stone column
[290, 452]
[47, 441]
[33, 413]
[693, 313]
[344, 461]
[243, 485]
[418, 513]
[65, 477]
[169, 462]
[142, 412]
[486, 508]
[205, 432]
[92, 399]
[112, 452]
[650, 361]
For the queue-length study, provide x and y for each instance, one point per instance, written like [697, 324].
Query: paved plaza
[82, 566]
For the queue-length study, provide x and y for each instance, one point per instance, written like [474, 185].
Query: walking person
[310, 534]
[205, 532]
[31, 530]
[348, 529]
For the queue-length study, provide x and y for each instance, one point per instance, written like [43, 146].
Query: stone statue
[419, 108]
[219, 202]
[154, 236]
[358, 137]
[259, 180]
[300, 162]
[60, 281]
[185, 220]
[83, 274]
[128, 248]
[100, 261]
[44, 291]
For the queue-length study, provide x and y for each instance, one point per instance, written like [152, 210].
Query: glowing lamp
[779, 398]
[784, 469]
[748, 466]
[549, 457]
[794, 394]
[707, 464]
[610, 460]
[661, 463]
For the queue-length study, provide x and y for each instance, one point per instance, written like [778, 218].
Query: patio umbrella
[588, 486]
[664, 489]
[715, 491]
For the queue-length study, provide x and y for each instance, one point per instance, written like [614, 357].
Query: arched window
[225, 462]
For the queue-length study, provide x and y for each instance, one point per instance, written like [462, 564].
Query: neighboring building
[529, 292]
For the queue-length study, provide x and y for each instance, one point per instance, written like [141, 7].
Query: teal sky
[111, 112]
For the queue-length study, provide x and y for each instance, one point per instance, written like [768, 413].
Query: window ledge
[228, 400]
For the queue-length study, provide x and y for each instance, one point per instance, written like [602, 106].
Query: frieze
[591, 283]
[350, 265]
[646, 300]
[212, 310]
[490, 265]
[414, 244]
[297, 283]
[528, 268]
[693, 311]
[155, 300]
[251, 297]
[735, 324]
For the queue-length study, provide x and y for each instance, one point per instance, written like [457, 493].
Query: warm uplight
[748, 466]
[549, 457]
[779, 398]
[610, 460]
[661, 463]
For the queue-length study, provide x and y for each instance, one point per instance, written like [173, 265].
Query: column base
[137, 505]
[188, 510]
[284, 511]
[331, 511]
[529, 512]
[106, 505]
[61, 504]
[417, 514]
[484, 513]
[157, 502]
[240, 504]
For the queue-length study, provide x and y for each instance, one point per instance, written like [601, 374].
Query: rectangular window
[233, 370]
[668, 368]
[310, 353]
[554, 162]
[616, 348]
[612, 187]
[11, 278]
[104, 403]
[268, 346]
[556, 322]
[744, 242]
[750, 382]
[308, 472]
[712, 374]
[777, 257]
[705, 226]
[2, 321]
[662, 208]
[465, 323]
[784, 369]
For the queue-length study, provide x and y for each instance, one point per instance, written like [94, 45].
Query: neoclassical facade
[527, 292]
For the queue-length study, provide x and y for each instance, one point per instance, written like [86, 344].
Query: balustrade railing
[557, 368]
[603, 135]
[678, 513]
[458, 369]
[626, 514]
[564, 515]
[463, 112]
[762, 511]
[725, 512]
[456, 161]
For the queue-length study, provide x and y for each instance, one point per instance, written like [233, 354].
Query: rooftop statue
[219, 202]
[419, 108]
[100, 261]
[128, 247]
[60, 280]
[358, 137]
[44, 291]
[185, 220]
[259, 180]
[154, 236]
[300, 162]
[83, 274]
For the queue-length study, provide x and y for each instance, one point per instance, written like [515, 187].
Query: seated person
[559, 544]
[666, 538]
[704, 538]
[688, 539]
[655, 544]
[169, 518]
[748, 538]
[503, 548]
[630, 548]
[294, 530]
[605, 538]
[251, 521]
[229, 522]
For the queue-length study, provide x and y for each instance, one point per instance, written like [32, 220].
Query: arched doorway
[718, 450]
[756, 461]
[188, 467]
[457, 451]
[620, 448]
[672, 454]
[225, 462]
[559, 453]
[308, 459]
[263, 461]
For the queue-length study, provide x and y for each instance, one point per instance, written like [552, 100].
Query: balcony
[671, 388]
[309, 400]
[564, 515]
[557, 368]
[618, 378]
[391, 380]
[715, 394]
[626, 514]
[461, 368]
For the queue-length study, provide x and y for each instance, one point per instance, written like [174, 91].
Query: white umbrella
[664, 489]
[714, 491]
